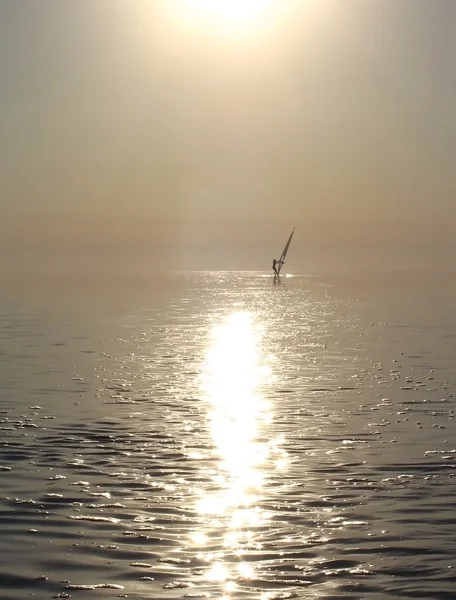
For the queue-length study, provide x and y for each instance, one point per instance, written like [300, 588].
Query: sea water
[222, 435]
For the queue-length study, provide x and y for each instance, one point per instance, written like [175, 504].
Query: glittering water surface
[213, 435]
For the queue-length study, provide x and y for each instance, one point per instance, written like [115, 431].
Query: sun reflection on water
[235, 374]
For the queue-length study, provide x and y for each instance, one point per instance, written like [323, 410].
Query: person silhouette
[274, 266]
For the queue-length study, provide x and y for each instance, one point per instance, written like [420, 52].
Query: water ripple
[154, 467]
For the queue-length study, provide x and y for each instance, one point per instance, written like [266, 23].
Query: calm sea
[213, 435]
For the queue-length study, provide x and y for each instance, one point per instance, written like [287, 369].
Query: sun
[234, 15]
[239, 11]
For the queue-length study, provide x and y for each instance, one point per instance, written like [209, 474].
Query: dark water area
[212, 435]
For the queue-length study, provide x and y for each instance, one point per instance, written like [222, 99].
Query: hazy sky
[169, 128]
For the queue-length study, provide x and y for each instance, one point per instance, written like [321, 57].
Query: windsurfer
[274, 266]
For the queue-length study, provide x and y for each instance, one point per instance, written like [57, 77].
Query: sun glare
[233, 16]
[239, 11]
[239, 416]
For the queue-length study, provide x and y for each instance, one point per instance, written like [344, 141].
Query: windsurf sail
[281, 261]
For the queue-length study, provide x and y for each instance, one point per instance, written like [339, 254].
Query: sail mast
[281, 260]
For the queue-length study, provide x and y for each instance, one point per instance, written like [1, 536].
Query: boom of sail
[281, 260]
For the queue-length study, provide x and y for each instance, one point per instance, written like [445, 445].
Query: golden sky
[177, 125]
